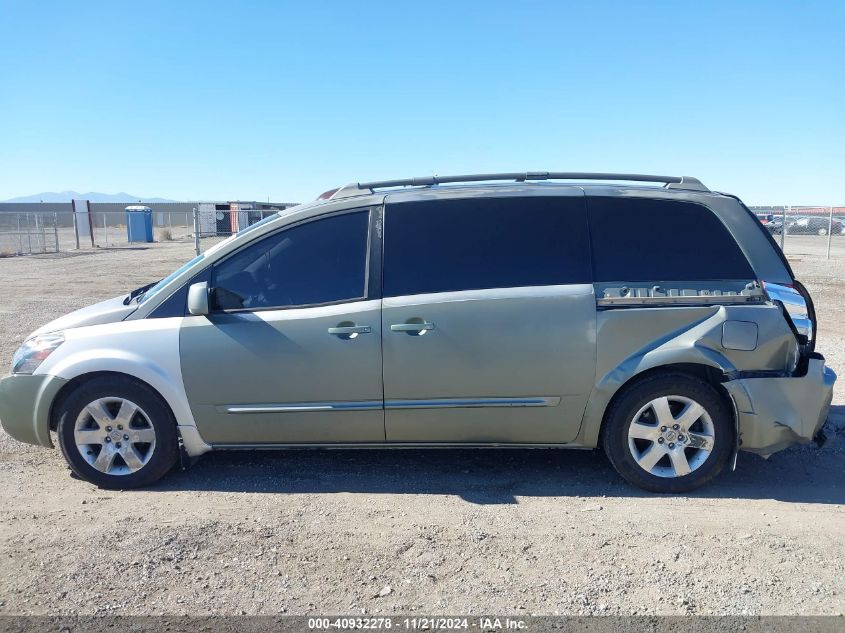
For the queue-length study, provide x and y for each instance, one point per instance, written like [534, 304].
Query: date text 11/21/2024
[419, 623]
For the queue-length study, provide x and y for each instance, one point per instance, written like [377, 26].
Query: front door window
[316, 263]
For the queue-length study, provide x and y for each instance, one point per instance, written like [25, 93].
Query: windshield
[161, 284]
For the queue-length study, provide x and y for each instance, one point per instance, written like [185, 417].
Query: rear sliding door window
[641, 239]
[476, 243]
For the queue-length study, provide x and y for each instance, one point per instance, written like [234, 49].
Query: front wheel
[117, 433]
[669, 433]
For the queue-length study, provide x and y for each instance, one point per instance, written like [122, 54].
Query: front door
[291, 352]
[488, 322]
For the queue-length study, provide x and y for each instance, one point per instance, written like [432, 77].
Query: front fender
[144, 349]
[130, 363]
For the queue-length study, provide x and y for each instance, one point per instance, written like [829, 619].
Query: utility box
[139, 224]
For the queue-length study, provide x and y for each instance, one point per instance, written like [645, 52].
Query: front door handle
[412, 327]
[349, 331]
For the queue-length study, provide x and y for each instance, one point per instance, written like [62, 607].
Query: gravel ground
[504, 531]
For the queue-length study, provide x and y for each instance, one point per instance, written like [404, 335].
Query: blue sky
[250, 100]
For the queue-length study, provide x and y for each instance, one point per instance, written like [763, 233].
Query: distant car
[774, 226]
[772, 222]
[813, 225]
[841, 220]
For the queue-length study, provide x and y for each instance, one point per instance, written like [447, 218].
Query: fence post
[75, 225]
[20, 235]
[829, 229]
[106, 229]
[56, 229]
[28, 234]
[43, 233]
[196, 231]
[783, 226]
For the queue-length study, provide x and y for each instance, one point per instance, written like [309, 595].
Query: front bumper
[25, 403]
[776, 412]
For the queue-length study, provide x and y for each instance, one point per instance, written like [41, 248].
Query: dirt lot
[410, 531]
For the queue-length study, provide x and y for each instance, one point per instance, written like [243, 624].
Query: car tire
[126, 419]
[658, 413]
[822, 231]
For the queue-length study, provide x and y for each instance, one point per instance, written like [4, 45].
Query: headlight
[32, 353]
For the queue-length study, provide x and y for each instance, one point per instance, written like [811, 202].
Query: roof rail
[671, 182]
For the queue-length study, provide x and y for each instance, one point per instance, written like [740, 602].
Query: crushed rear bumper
[776, 412]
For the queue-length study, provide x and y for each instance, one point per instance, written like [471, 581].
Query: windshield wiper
[138, 292]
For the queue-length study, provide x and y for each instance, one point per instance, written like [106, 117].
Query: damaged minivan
[645, 315]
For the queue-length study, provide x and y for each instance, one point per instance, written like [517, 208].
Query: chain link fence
[814, 231]
[28, 233]
[36, 233]
[54, 227]
[216, 222]
[110, 228]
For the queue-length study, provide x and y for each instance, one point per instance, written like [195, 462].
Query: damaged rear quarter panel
[631, 341]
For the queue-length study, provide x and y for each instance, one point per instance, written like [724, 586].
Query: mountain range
[93, 196]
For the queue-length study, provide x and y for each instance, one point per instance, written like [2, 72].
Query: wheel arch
[706, 373]
[616, 383]
[74, 383]
[151, 360]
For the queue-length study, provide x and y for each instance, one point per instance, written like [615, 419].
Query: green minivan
[646, 315]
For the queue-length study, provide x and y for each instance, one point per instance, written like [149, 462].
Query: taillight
[798, 305]
[811, 313]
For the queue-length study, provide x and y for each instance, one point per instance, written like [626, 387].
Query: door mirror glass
[198, 299]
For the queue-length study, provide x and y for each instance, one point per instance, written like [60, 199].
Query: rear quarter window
[642, 239]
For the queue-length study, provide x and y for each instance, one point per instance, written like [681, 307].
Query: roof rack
[362, 188]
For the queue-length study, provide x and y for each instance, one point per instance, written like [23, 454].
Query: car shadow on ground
[801, 474]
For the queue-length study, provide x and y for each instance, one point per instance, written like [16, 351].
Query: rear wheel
[669, 433]
[117, 433]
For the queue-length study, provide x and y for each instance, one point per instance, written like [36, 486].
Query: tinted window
[638, 239]
[317, 262]
[468, 244]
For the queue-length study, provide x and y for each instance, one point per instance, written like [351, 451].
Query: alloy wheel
[115, 436]
[671, 436]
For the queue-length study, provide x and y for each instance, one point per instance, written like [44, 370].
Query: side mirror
[198, 299]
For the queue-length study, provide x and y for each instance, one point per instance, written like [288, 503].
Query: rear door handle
[412, 327]
[346, 330]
